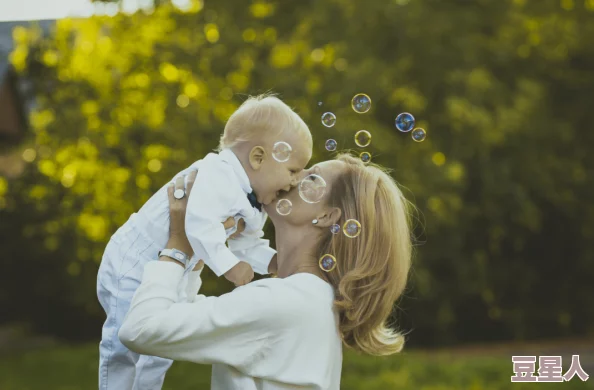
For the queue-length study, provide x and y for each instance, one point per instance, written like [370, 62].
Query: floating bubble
[320, 104]
[362, 138]
[361, 103]
[351, 228]
[281, 151]
[328, 119]
[284, 207]
[327, 262]
[365, 157]
[405, 122]
[312, 188]
[419, 134]
[331, 145]
[335, 228]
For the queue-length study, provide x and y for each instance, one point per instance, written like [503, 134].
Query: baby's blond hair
[264, 116]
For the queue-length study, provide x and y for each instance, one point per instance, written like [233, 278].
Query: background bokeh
[503, 182]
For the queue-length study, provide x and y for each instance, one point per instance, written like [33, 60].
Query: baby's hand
[230, 222]
[242, 273]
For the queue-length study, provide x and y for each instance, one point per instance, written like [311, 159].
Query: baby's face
[275, 176]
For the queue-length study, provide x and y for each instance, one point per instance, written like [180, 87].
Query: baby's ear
[257, 155]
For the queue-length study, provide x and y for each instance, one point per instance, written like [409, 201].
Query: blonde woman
[288, 332]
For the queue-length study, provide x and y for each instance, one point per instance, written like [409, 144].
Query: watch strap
[176, 255]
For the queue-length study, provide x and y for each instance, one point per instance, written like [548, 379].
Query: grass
[73, 368]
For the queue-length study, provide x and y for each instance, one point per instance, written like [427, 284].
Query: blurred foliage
[75, 368]
[503, 89]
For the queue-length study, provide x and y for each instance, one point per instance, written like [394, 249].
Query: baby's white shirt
[220, 191]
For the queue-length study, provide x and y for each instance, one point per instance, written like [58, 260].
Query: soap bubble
[419, 134]
[328, 119]
[335, 228]
[351, 228]
[361, 103]
[331, 145]
[405, 122]
[362, 138]
[312, 188]
[281, 151]
[320, 104]
[365, 157]
[327, 262]
[284, 207]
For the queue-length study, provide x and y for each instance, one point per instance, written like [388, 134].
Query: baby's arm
[256, 251]
[209, 204]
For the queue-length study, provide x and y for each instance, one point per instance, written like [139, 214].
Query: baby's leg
[119, 277]
[117, 364]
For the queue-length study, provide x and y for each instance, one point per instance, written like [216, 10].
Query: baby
[246, 174]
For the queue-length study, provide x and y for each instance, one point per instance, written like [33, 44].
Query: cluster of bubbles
[361, 103]
[405, 122]
[351, 229]
[313, 187]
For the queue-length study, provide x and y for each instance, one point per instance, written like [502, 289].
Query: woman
[287, 332]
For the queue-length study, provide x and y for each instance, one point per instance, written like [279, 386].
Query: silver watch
[176, 255]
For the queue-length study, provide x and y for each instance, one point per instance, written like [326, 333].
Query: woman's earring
[327, 263]
[315, 221]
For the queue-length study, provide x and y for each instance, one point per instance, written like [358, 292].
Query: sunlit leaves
[283, 55]
[261, 9]
[211, 32]
[94, 226]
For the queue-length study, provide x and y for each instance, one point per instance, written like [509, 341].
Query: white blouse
[267, 335]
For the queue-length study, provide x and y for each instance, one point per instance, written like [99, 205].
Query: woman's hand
[177, 214]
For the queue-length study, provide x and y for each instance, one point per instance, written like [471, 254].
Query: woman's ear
[330, 217]
[256, 157]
